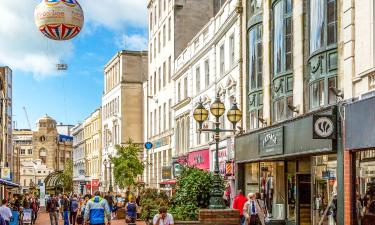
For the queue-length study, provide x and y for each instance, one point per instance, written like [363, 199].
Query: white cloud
[132, 42]
[115, 14]
[22, 47]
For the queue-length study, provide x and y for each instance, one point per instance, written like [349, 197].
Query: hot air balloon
[59, 19]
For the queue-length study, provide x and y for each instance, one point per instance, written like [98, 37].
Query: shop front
[360, 147]
[292, 167]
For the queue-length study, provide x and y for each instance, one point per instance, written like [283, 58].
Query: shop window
[282, 83]
[324, 189]
[255, 68]
[252, 178]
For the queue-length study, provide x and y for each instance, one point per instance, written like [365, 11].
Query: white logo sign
[270, 138]
[324, 127]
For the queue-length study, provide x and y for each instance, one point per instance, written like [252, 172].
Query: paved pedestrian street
[43, 219]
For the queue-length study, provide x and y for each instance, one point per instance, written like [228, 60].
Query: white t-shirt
[5, 213]
[167, 221]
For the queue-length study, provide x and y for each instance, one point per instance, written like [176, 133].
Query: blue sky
[70, 96]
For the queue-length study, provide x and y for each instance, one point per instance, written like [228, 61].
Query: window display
[324, 190]
[365, 187]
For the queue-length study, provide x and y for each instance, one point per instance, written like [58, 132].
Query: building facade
[53, 149]
[292, 149]
[93, 150]
[210, 66]
[6, 95]
[79, 159]
[23, 150]
[32, 174]
[172, 25]
[122, 106]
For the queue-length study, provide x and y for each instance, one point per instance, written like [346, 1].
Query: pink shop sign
[200, 159]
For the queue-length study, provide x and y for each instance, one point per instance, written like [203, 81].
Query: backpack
[74, 206]
[53, 205]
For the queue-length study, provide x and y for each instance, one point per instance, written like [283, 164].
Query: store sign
[324, 127]
[177, 169]
[161, 142]
[271, 142]
[166, 172]
[200, 159]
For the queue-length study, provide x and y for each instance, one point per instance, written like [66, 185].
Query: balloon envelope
[59, 19]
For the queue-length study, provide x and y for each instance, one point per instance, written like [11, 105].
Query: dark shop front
[360, 146]
[294, 167]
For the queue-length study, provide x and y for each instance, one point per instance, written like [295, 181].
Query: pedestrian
[74, 206]
[238, 203]
[163, 218]
[109, 199]
[65, 207]
[35, 207]
[131, 211]
[97, 209]
[52, 208]
[5, 212]
[252, 211]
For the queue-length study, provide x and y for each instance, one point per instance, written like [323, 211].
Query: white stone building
[79, 162]
[33, 173]
[209, 66]
[172, 24]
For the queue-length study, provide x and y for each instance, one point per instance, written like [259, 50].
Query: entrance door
[304, 199]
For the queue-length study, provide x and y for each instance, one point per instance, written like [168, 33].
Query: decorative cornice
[181, 103]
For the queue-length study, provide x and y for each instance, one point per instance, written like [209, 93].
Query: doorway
[304, 199]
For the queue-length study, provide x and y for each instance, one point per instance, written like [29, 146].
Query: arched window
[187, 133]
[43, 155]
[177, 138]
[182, 136]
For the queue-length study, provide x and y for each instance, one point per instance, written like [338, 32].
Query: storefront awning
[8, 183]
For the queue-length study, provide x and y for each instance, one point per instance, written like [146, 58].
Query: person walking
[74, 207]
[35, 207]
[5, 212]
[97, 209]
[163, 218]
[65, 204]
[131, 211]
[252, 211]
[52, 208]
[238, 203]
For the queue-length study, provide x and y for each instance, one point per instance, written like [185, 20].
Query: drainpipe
[239, 10]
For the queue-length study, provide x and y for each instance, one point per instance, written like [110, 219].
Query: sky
[69, 97]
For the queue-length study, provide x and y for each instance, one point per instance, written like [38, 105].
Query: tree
[192, 193]
[127, 164]
[67, 176]
[151, 200]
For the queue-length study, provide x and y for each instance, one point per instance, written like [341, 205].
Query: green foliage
[151, 201]
[68, 176]
[192, 193]
[127, 165]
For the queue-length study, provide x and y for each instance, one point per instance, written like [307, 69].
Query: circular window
[42, 139]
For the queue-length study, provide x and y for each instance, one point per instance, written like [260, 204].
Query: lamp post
[234, 115]
[108, 162]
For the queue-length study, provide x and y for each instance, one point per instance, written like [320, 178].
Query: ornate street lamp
[234, 115]
[108, 162]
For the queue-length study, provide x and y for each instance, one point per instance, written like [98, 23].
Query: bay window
[282, 80]
[255, 68]
[322, 63]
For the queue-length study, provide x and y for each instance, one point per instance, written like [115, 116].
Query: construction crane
[27, 117]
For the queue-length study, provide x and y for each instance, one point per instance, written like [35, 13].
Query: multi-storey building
[53, 149]
[122, 106]
[172, 24]
[93, 149]
[32, 174]
[23, 150]
[303, 66]
[79, 159]
[6, 121]
[210, 66]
